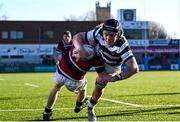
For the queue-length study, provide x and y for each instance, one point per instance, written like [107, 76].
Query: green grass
[157, 93]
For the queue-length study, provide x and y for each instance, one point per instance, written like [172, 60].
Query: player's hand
[115, 78]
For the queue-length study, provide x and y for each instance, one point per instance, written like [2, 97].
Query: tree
[89, 16]
[157, 31]
[3, 16]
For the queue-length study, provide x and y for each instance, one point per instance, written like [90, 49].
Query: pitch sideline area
[103, 99]
[147, 96]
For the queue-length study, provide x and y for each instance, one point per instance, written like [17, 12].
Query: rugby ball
[90, 49]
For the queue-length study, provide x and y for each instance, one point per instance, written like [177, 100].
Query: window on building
[13, 35]
[134, 33]
[16, 56]
[16, 35]
[19, 35]
[4, 35]
[4, 56]
[48, 35]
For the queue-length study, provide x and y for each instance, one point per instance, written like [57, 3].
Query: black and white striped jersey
[115, 55]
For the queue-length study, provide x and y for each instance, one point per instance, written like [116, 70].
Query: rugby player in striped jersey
[113, 47]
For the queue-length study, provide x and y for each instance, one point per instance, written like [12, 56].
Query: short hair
[66, 32]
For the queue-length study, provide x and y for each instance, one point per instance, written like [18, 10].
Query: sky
[165, 12]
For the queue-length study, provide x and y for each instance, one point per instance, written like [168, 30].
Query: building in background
[151, 54]
[103, 13]
[132, 28]
[30, 45]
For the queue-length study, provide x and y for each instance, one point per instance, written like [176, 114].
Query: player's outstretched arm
[131, 69]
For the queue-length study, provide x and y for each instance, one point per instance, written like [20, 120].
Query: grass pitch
[147, 96]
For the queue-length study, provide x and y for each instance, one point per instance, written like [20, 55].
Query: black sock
[92, 103]
[79, 103]
[48, 110]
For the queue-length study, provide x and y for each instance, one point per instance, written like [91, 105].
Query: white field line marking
[114, 107]
[142, 106]
[1, 79]
[119, 102]
[12, 110]
[33, 85]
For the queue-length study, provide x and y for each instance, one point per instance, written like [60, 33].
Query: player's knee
[57, 87]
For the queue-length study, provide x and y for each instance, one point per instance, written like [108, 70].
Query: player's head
[111, 31]
[67, 36]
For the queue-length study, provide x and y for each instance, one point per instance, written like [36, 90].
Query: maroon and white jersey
[63, 47]
[75, 69]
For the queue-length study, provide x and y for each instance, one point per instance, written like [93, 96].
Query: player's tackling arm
[78, 41]
[131, 69]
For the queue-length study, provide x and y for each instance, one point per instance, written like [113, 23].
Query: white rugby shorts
[72, 85]
[112, 69]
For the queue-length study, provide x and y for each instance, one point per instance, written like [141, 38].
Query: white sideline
[1, 79]
[32, 85]
[114, 107]
[119, 102]
[130, 105]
